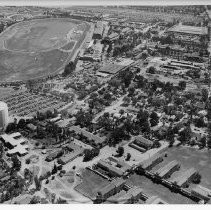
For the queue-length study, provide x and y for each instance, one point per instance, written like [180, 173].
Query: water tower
[4, 116]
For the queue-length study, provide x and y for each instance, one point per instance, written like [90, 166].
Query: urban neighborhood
[105, 104]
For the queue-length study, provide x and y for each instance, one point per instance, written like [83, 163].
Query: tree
[154, 119]
[89, 154]
[185, 135]
[199, 122]
[120, 151]
[156, 144]
[126, 100]
[49, 114]
[37, 183]
[21, 123]
[128, 157]
[35, 200]
[54, 170]
[69, 68]
[1, 150]
[182, 85]
[204, 94]
[11, 127]
[16, 163]
[151, 70]
[203, 142]
[61, 201]
[121, 111]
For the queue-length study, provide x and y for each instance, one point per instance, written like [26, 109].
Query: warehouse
[183, 179]
[167, 170]
[201, 193]
[151, 162]
[113, 188]
[114, 167]
[191, 30]
[15, 143]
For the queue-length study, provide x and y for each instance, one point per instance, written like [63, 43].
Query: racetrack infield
[37, 48]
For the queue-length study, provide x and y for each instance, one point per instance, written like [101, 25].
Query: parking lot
[23, 103]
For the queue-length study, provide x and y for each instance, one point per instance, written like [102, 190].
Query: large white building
[4, 116]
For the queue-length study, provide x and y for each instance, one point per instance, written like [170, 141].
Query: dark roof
[142, 140]
[111, 68]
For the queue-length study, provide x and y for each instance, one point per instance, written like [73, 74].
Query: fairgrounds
[37, 48]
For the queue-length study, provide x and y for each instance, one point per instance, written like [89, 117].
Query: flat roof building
[168, 169]
[201, 193]
[114, 167]
[15, 143]
[185, 29]
[185, 177]
[149, 163]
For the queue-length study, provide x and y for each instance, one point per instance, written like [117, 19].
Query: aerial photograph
[105, 104]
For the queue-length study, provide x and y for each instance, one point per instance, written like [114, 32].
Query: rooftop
[201, 190]
[89, 135]
[189, 29]
[155, 200]
[11, 139]
[165, 169]
[183, 178]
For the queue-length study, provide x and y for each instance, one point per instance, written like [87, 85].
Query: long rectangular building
[185, 177]
[168, 169]
[151, 162]
[201, 193]
[185, 29]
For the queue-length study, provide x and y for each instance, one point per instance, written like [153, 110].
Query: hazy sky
[99, 2]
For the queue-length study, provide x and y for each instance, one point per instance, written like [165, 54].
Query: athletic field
[36, 48]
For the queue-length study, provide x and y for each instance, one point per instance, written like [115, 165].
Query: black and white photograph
[105, 102]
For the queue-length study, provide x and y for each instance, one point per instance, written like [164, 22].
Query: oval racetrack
[37, 48]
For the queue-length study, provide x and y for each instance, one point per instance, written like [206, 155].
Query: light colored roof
[111, 168]
[181, 179]
[21, 149]
[201, 190]
[99, 28]
[143, 140]
[9, 139]
[113, 35]
[155, 200]
[165, 169]
[189, 29]
[17, 134]
[146, 163]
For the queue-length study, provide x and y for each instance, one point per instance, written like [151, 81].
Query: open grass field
[31, 49]
[91, 184]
